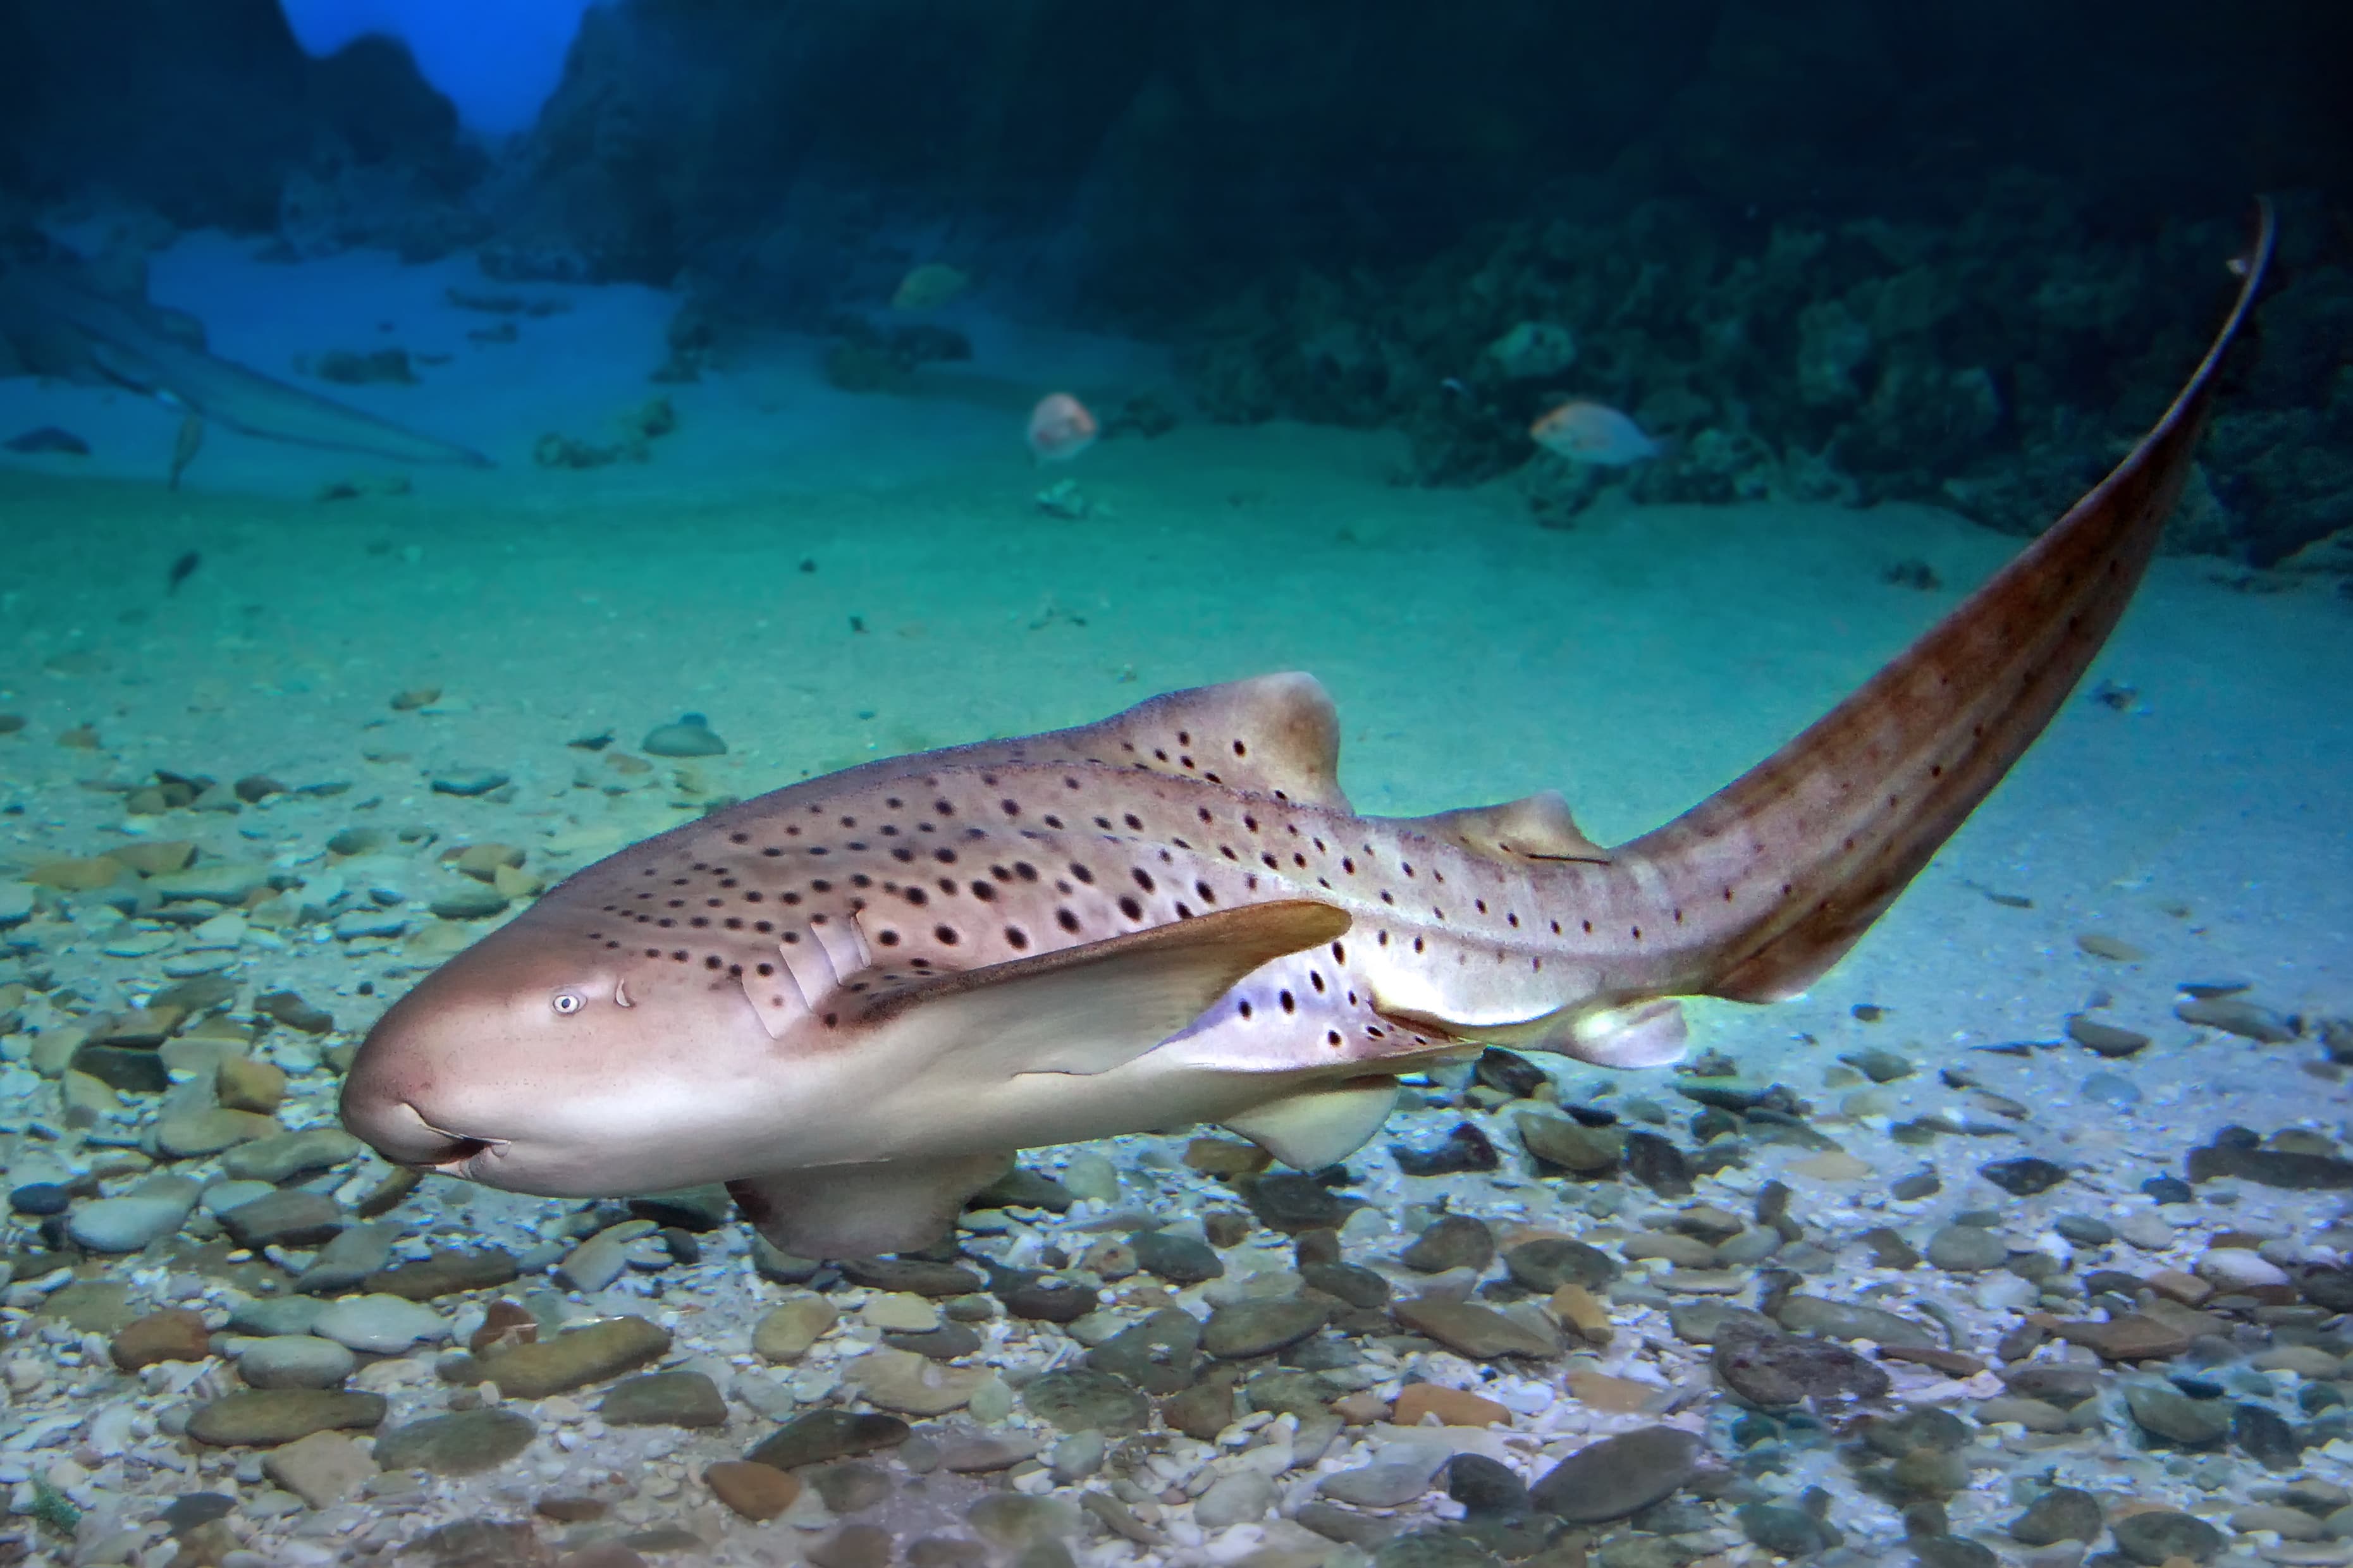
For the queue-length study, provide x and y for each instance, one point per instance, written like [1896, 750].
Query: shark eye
[568, 1001]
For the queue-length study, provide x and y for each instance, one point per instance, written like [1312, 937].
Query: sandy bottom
[830, 579]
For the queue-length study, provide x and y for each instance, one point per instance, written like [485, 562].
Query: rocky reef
[1997, 364]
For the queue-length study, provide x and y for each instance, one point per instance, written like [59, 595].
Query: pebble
[2164, 1411]
[2148, 1230]
[468, 782]
[1967, 1249]
[1571, 1145]
[2240, 1269]
[1399, 1473]
[464, 1443]
[576, 1357]
[1452, 1406]
[1177, 1258]
[128, 1224]
[283, 1156]
[1550, 1262]
[2063, 1513]
[39, 1199]
[690, 736]
[1803, 1314]
[2104, 1040]
[823, 1434]
[1262, 1328]
[2287, 1523]
[291, 1216]
[915, 1384]
[785, 1332]
[665, 1399]
[2110, 1089]
[1081, 1399]
[1619, 1476]
[172, 1334]
[2023, 1178]
[1453, 1241]
[2157, 1536]
[295, 1361]
[1479, 1332]
[754, 1492]
[322, 1470]
[267, 1417]
[1237, 1497]
[379, 1324]
[897, 1313]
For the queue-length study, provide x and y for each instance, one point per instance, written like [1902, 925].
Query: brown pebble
[172, 1334]
[568, 1508]
[2105, 1040]
[2108, 947]
[243, 1083]
[1224, 1157]
[754, 1491]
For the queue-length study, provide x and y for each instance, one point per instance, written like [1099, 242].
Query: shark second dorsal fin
[1533, 828]
[1092, 1008]
[1275, 734]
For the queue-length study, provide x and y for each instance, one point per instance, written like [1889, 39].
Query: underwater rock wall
[1997, 364]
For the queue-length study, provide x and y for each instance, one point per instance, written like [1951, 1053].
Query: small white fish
[1592, 432]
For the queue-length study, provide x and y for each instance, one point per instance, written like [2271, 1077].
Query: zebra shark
[853, 998]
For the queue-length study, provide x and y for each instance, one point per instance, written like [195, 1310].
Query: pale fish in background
[929, 287]
[1060, 427]
[1595, 433]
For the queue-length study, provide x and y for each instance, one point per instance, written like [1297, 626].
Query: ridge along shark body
[853, 998]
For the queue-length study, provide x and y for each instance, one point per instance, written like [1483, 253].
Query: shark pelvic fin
[1645, 1034]
[1320, 1126]
[1535, 827]
[1089, 1009]
[859, 1211]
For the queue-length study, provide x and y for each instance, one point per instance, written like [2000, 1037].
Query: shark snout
[398, 1130]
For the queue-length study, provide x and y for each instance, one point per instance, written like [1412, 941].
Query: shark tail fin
[1795, 859]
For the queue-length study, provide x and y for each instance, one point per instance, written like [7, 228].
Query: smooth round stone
[2111, 1089]
[222, 1196]
[1619, 1476]
[1399, 1473]
[2085, 1230]
[1238, 1496]
[383, 1325]
[462, 1444]
[296, 1361]
[39, 1199]
[126, 1225]
[691, 736]
[1967, 1249]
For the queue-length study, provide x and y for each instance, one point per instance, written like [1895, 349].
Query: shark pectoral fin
[859, 1211]
[1535, 828]
[1274, 734]
[1092, 1008]
[1320, 1126]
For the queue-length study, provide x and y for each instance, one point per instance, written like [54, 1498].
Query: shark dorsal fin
[1535, 828]
[1091, 1008]
[1276, 735]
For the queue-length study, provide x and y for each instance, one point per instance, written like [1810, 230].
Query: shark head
[546, 1062]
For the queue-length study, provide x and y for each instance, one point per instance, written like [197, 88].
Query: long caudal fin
[1801, 854]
